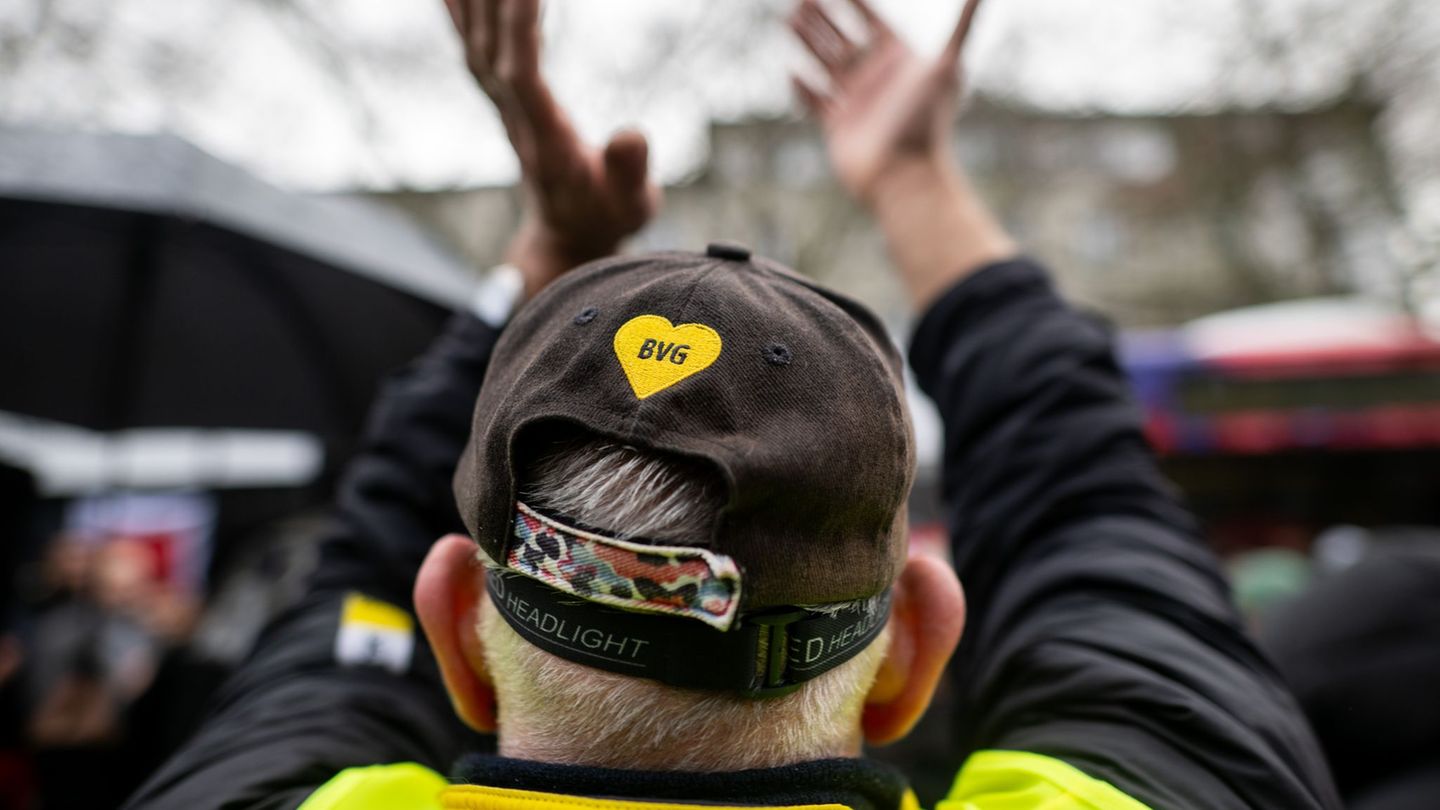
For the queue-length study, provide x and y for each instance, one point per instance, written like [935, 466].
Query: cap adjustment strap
[676, 580]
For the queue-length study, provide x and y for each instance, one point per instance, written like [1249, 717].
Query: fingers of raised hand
[956, 44]
[825, 40]
[627, 159]
[816, 101]
[456, 9]
[627, 174]
[502, 49]
[517, 68]
[502, 41]
[873, 21]
[474, 22]
[517, 56]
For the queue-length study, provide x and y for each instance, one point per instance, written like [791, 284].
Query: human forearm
[937, 228]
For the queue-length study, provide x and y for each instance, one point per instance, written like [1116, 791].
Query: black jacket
[1100, 629]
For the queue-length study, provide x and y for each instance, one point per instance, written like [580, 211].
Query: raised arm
[1100, 630]
[345, 678]
[887, 116]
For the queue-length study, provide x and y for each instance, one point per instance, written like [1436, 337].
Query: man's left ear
[926, 616]
[448, 592]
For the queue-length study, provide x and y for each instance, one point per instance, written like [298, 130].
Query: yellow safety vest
[990, 780]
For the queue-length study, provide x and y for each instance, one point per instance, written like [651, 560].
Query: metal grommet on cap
[729, 251]
[776, 354]
[586, 316]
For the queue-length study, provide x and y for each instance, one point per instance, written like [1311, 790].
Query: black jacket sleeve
[1100, 629]
[297, 712]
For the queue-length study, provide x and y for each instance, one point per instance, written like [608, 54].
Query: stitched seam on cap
[893, 403]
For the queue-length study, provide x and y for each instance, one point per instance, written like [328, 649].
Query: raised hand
[887, 115]
[884, 104]
[581, 202]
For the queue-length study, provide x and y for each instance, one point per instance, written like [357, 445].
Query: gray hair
[557, 710]
[625, 492]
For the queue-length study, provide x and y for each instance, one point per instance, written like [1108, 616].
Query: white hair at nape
[556, 710]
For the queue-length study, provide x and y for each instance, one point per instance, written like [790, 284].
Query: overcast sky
[337, 94]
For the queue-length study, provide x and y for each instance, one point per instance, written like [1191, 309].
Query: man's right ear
[447, 599]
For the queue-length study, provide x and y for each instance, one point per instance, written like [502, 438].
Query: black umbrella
[147, 284]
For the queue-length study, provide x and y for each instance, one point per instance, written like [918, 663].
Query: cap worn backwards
[793, 393]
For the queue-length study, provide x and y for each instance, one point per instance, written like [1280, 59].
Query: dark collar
[856, 783]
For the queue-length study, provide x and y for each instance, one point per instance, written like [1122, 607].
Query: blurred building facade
[1154, 220]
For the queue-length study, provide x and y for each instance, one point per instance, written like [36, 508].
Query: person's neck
[856, 783]
[706, 756]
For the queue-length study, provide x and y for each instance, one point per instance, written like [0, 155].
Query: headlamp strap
[767, 653]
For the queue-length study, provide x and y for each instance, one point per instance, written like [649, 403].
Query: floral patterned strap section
[677, 580]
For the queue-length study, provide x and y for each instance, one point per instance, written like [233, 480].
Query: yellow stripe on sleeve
[361, 609]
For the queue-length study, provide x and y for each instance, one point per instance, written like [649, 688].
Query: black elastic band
[764, 654]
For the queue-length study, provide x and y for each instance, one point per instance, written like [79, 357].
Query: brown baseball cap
[792, 392]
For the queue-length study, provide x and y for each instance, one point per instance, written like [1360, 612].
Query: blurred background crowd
[222, 223]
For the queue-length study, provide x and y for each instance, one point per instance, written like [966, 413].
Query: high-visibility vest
[990, 780]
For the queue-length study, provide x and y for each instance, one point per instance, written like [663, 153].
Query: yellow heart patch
[656, 354]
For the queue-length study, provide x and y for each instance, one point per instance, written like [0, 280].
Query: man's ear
[447, 599]
[926, 617]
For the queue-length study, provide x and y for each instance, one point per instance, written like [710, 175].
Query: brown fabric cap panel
[802, 412]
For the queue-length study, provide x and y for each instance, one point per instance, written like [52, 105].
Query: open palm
[884, 104]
